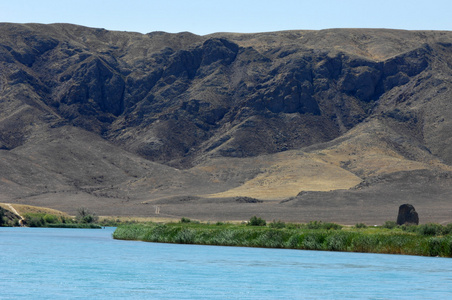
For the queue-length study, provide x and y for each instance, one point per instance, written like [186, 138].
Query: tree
[255, 221]
[86, 216]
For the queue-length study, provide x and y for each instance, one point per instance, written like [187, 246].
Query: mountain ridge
[225, 115]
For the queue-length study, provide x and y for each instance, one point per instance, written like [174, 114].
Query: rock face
[179, 98]
[407, 215]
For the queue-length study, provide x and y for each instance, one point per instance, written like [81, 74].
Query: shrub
[34, 220]
[185, 236]
[224, 237]
[277, 224]
[337, 242]
[430, 229]
[294, 226]
[437, 246]
[390, 224]
[255, 221]
[321, 225]
[157, 233]
[409, 227]
[110, 222]
[364, 243]
[313, 225]
[50, 219]
[185, 220]
[360, 225]
[313, 241]
[86, 216]
[293, 242]
[447, 229]
[333, 226]
[396, 243]
[271, 239]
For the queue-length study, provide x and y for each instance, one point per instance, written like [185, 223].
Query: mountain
[341, 125]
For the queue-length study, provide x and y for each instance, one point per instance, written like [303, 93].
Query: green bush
[331, 226]
[447, 229]
[271, 239]
[185, 220]
[365, 243]
[293, 242]
[321, 225]
[313, 241]
[314, 225]
[34, 220]
[390, 224]
[110, 222]
[50, 219]
[338, 242]
[409, 227]
[255, 221]
[185, 236]
[85, 216]
[438, 246]
[430, 229]
[277, 224]
[224, 237]
[397, 243]
[360, 225]
[294, 226]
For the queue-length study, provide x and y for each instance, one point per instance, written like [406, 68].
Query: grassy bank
[31, 216]
[412, 240]
[55, 221]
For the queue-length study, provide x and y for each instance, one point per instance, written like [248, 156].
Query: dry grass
[24, 209]
[128, 219]
[289, 173]
[123, 219]
[370, 149]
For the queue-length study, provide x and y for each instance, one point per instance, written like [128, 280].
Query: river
[44, 263]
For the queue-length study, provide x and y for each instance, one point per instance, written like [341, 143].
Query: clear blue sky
[204, 16]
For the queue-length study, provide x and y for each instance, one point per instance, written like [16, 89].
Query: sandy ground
[342, 208]
[372, 203]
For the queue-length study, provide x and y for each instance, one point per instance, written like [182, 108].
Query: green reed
[336, 238]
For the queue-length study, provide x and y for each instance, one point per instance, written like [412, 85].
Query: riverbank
[32, 216]
[423, 240]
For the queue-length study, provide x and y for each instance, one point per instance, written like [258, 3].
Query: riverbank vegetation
[52, 221]
[425, 240]
[32, 216]
[83, 219]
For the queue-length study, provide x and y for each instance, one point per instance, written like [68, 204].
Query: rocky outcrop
[407, 215]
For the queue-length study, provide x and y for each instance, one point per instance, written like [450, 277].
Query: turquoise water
[44, 263]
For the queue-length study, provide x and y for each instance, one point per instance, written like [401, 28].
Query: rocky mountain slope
[211, 126]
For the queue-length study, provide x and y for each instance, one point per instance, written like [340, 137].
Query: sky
[245, 16]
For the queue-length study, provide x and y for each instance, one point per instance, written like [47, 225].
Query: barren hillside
[337, 125]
